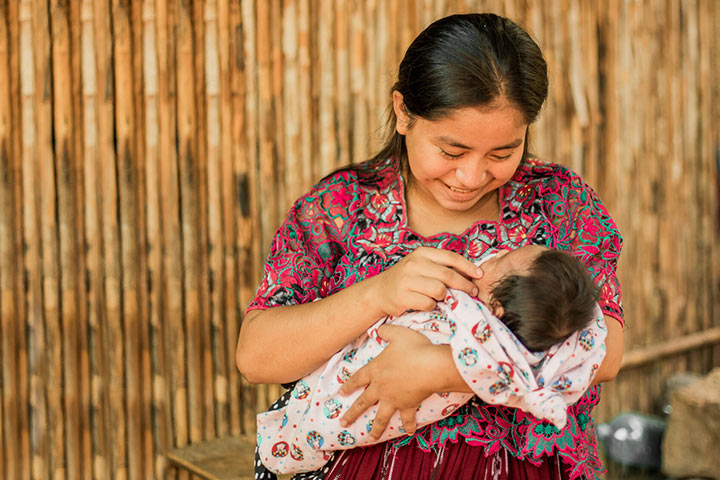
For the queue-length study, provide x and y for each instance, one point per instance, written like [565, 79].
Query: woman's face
[456, 161]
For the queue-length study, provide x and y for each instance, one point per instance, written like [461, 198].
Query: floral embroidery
[346, 230]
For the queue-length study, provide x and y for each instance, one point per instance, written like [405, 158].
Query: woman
[390, 235]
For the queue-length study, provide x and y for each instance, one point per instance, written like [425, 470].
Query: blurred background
[149, 149]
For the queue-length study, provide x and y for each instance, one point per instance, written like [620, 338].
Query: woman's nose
[472, 174]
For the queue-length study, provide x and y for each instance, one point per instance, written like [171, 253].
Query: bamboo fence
[150, 148]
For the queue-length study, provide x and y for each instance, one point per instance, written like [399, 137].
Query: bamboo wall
[150, 148]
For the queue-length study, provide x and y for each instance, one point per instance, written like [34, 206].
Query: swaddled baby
[532, 339]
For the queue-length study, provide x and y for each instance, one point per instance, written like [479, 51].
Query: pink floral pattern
[347, 229]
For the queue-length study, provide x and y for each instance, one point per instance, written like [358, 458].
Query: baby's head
[542, 295]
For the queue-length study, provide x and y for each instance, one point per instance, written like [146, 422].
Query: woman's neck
[427, 218]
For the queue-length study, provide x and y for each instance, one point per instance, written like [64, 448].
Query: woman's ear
[401, 115]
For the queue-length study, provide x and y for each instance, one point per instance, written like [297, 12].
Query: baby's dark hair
[545, 306]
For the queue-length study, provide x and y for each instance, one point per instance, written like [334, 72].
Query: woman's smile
[461, 194]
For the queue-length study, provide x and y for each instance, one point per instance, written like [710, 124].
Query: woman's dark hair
[462, 61]
[544, 307]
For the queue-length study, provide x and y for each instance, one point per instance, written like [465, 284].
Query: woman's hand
[421, 279]
[397, 379]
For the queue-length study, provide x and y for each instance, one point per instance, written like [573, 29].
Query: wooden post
[229, 301]
[173, 319]
[10, 349]
[249, 226]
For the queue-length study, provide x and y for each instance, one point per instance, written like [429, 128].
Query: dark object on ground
[633, 440]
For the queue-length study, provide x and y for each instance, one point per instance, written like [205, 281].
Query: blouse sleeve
[302, 257]
[584, 227]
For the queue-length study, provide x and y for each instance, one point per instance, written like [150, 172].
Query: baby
[533, 340]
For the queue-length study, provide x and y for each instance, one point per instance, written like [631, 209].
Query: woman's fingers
[435, 279]
[359, 379]
[452, 260]
[408, 420]
[366, 400]
[381, 420]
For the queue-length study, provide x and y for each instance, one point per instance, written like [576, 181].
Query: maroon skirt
[453, 461]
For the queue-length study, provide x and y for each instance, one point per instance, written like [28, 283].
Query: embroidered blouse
[347, 229]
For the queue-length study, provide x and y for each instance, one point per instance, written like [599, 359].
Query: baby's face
[506, 262]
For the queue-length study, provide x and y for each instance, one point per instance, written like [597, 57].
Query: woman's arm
[405, 375]
[614, 346]
[284, 343]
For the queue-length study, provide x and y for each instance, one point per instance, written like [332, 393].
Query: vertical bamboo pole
[36, 134]
[693, 272]
[108, 358]
[376, 98]
[358, 63]
[5, 133]
[392, 46]
[276, 122]
[76, 196]
[175, 343]
[244, 84]
[10, 410]
[706, 189]
[327, 115]
[291, 101]
[580, 119]
[267, 155]
[226, 18]
[161, 417]
[342, 85]
[96, 457]
[145, 449]
[20, 277]
[127, 180]
[250, 221]
[304, 93]
[714, 126]
[215, 212]
[590, 73]
[609, 132]
[146, 455]
[266, 158]
[66, 182]
[188, 156]
[51, 274]
[668, 250]
[427, 14]
[205, 322]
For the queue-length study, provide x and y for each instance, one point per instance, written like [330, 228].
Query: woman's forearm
[614, 347]
[285, 343]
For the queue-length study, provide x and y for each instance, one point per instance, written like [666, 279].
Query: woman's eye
[450, 155]
[502, 157]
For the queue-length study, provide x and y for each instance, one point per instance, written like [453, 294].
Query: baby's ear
[496, 308]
